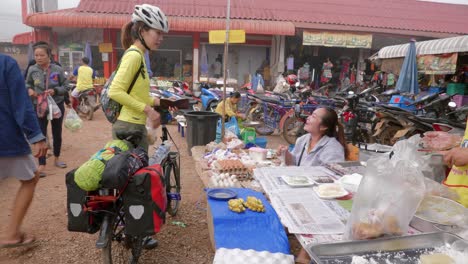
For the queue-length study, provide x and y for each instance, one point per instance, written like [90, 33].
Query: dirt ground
[47, 219]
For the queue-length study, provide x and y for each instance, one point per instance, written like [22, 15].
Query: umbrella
[148, 64]
[88, 53]
[30, 52]
[204, 61]
[408, 79]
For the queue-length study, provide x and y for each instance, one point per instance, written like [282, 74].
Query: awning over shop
[72, 18]
[438, 46]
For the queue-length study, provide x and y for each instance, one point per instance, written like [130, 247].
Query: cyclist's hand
[156, 101]
[153, 116]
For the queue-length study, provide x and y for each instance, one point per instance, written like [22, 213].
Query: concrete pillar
[196, 57]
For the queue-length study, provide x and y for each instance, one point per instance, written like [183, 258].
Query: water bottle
[160, 153]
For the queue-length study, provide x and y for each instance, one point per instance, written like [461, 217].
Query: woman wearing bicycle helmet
[143, 33]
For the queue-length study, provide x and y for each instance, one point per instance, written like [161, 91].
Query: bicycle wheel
[172, 177]
[121, 249]
[293, 128]
[268, 120]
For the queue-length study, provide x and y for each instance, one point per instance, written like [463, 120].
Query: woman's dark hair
[235, 95]
[334, 127]
[130, 32]
[85, 60]
[43, 45]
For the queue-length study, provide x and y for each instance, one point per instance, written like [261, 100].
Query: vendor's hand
[241, 116]
[281, 149]
[50, 92]
[153, 116]
[456, 156]
[39, 149]
[32, 93]
[173, 109]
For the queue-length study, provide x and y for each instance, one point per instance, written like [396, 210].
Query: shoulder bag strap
[136, 74]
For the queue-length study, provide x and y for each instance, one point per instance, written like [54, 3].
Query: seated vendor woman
[324, 143]
[231, 107]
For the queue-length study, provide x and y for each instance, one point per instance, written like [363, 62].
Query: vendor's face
[41, 56]
[313, 123]
[153, 38]
[235, 100]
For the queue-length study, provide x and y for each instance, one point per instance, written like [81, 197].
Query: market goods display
[379, 226]
[439, 140]
[236, 205]
[436, 259]
[254, 204]
[230, 166]
[330, 191]
[224, 180]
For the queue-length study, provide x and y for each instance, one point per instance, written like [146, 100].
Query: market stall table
[298, 207]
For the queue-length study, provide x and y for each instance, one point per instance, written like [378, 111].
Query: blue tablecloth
[248, 230]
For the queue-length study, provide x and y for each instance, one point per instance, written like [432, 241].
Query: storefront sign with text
[438, 64]
[336, 39]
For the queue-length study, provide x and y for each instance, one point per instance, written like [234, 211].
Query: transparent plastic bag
[152, 130]
[73, 121]
[437, 189]
[388, 196]
[54, 110]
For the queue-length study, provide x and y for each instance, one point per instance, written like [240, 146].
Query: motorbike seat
[391, 92]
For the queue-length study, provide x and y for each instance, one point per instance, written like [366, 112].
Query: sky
[10, 17]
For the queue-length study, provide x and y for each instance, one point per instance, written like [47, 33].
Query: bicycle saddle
[132, 136]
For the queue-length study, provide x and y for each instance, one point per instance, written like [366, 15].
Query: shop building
[347, 32]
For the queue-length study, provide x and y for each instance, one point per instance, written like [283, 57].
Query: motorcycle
[209, 99]
[87, 102]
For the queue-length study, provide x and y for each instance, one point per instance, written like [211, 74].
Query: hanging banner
[219, 36]
[337, 39]
[438, 63]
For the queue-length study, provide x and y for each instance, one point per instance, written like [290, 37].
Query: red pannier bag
[145, 201]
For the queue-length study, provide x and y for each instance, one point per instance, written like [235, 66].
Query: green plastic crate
[457, 88]
[248, 135]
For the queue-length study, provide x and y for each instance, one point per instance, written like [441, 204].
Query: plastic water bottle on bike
[161, 152]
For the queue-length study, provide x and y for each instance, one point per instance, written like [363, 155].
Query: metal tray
[404, 249]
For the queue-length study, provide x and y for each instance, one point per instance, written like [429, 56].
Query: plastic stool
[181, 127]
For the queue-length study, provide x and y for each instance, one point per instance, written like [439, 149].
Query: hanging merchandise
[290, 63]
[353, 74]
[326, 71]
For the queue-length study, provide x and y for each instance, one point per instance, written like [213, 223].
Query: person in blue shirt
[20, 128]
[256, 80]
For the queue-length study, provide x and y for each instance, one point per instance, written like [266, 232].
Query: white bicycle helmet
[152, 16]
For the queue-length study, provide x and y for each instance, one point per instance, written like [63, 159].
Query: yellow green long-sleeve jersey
[134, 103]
[231, 108]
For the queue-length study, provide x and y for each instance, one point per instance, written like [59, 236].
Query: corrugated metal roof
[437, 46]
[398, 15]
[72, 18]
[22, 38]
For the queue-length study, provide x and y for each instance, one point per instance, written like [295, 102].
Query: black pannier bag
[120, 167]
[79, 220]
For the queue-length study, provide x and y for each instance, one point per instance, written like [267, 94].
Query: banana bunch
[236, 205]
[254, 204]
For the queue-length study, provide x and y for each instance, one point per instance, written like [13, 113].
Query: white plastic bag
[54, 110]
[73, 121]
[152, 130]
[388, 196]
